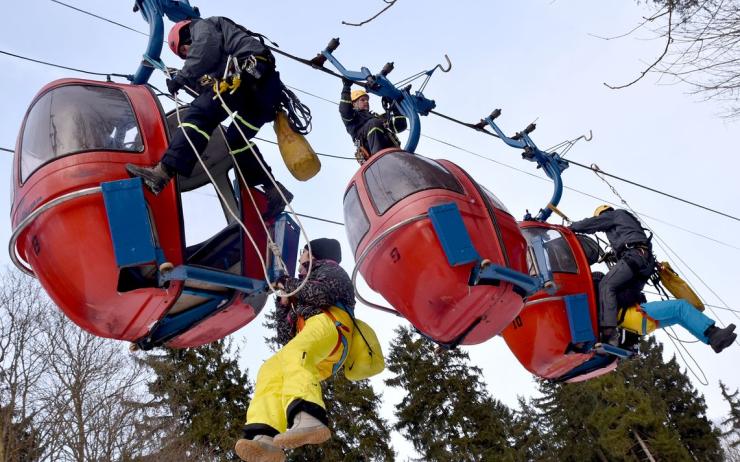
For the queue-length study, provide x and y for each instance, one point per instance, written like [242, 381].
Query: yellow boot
[259, 449]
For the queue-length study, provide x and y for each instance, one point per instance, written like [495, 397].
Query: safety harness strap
[195, 127]
[342, 342]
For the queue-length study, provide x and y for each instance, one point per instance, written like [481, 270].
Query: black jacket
[213, 40]
[354, 120]
[328, 285]
[620, 226]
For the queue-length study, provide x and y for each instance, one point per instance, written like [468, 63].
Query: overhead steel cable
[107, 74]
[7, 150]
[474, 127]
[101, 18]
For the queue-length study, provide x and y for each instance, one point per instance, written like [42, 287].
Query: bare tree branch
[389, 3]
[658, 60]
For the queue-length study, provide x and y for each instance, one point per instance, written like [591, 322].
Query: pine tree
[645, 399]
[601, 419]
[528, 434]
[204, 394]
[447, 414]
[359, 433]
[671, 390]
[732, 422]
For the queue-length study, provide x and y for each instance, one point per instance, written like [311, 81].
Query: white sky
[535, 59]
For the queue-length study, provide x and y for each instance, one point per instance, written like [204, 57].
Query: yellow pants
[294, 372]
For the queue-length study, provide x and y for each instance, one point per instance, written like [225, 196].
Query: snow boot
[719, 339]
[275, 202]
[610, 336]
[259, 449]
[155, 178]
[306, 429]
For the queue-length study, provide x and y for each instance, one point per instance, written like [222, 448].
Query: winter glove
[173, 85]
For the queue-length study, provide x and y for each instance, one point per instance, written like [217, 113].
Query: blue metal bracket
[191, 273]
[410, 105]
[489, 273]
[539, 255]
[550, 162]
[605, 348]
[129, 223]
[286, 234]
[579, 319]
[452, 234]
[153, 11]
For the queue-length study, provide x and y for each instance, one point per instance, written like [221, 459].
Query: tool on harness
[297, 153]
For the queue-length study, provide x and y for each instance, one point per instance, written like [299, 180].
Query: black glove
[347, 82]
[173, 85]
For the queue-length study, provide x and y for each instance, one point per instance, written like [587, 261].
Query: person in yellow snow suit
[315, 327]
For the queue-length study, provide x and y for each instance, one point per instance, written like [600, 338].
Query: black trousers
[633, 269]
[375, 135]
[255, 102]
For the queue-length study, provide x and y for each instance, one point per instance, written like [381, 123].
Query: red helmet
[180, 33]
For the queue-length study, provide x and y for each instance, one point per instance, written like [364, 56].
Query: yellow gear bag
[298, 155]
[677, 286]
[637, 321]
[364, 360]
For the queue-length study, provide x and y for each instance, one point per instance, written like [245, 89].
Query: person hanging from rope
[210, 47]
[315, 326]
[644, 318]
[371, 132]
[635, 261]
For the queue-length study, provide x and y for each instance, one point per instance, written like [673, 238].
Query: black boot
[610, 336]
[275, 203]
[719, 339]
[155, 178]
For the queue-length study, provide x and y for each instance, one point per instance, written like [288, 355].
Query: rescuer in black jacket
[634, 266]
[206, 45]
[371, 132]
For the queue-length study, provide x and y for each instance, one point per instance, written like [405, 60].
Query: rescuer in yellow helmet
[371, 132]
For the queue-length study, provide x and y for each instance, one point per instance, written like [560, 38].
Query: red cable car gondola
[96, 241]
[423, 233]
[554, 334]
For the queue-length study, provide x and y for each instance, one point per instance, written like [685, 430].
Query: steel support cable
[38, 61]
[446, 117]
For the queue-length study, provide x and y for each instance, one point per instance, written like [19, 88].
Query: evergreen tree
[359, 433]
[602, 419]
[671, 390]
[644, 401]
[732, 422]
[202, 398]
[528, 434]
[447, 414]
[20, 440]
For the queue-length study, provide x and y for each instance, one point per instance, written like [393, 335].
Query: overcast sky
[535, 59]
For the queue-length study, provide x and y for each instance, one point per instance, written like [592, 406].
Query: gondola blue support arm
[551, 162]
[153, 12]
[411, 106]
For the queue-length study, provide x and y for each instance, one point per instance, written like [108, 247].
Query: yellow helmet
[357, 94]
[601, 209]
